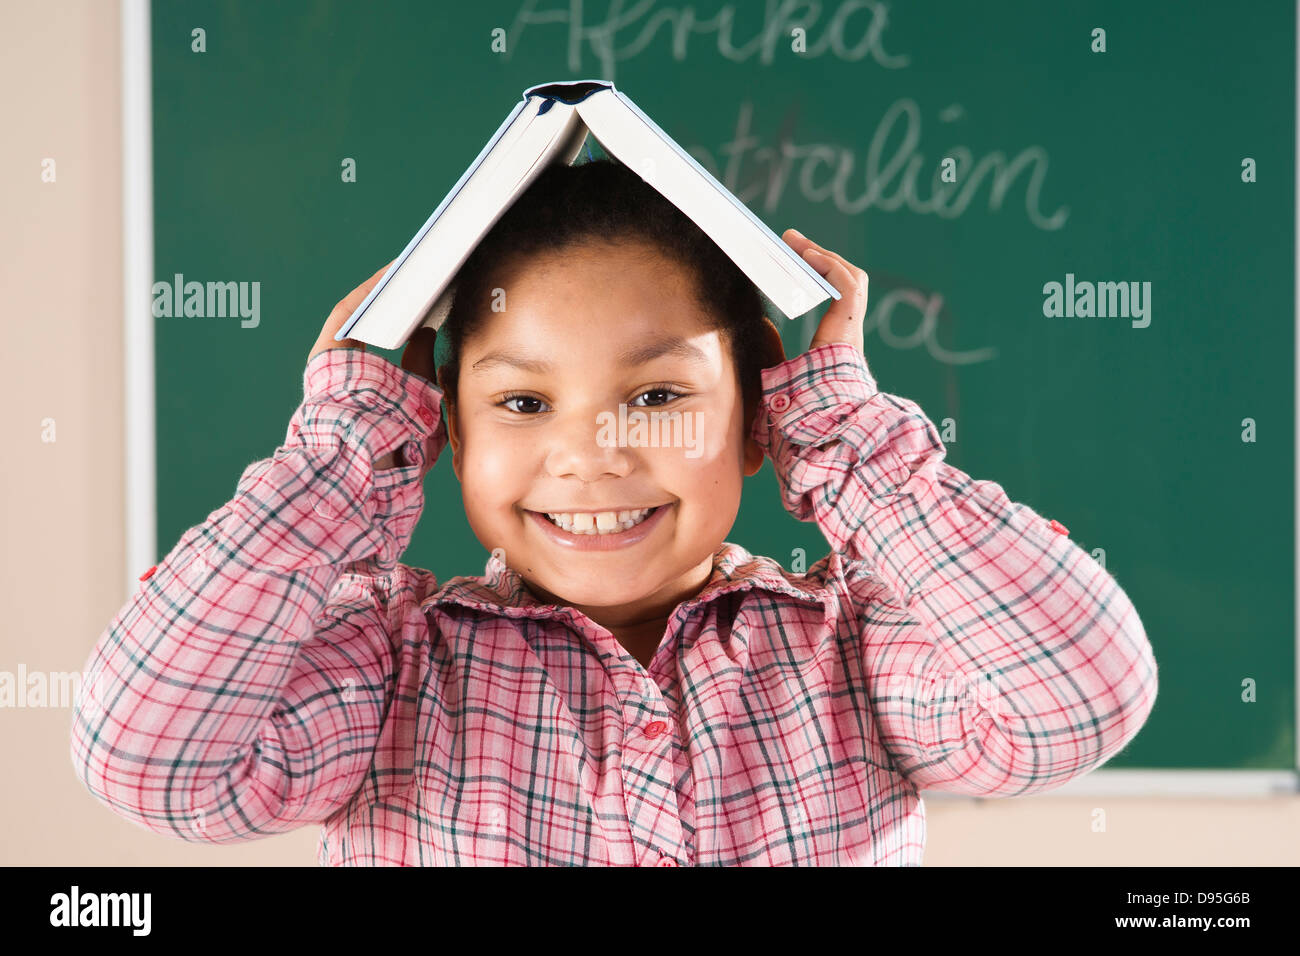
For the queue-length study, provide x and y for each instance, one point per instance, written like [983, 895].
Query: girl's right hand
[417, 357]
[341, 313]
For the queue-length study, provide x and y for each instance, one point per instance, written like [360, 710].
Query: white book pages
[419, 286]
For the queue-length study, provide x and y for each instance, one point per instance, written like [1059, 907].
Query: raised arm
[1002, 659]
[241, 691]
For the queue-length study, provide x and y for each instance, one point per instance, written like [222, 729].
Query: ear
[453, 436]
[753, 453]
[773, 354]
[753, 457]
[773, 347]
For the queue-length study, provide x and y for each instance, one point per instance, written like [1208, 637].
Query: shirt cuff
[351, 369]
[390, 407]
[810, 396]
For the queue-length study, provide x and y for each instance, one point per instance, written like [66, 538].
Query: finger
[325, 342]
[799, 242]
[348, 305]
[358, 295]
[844, 320]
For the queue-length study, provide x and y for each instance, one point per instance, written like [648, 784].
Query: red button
[1058, 527]
[427, 416]
[655, 728]
[148, 574]
[666, 861]
[779, 402]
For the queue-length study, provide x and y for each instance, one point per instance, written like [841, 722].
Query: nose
[586, 447]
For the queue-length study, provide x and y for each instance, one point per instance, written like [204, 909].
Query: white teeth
[601, 522]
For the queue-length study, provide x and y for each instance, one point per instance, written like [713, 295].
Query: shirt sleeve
[241, 691]
[1001, 658]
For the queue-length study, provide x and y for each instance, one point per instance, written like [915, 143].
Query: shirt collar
[500, 590]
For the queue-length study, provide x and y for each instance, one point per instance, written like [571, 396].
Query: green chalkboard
[1163, 441]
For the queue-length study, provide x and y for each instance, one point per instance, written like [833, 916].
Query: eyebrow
[630, 358]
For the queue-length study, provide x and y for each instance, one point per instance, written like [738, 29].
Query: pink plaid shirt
[280, 667]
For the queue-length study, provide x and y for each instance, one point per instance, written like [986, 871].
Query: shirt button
[655, 728]
[666, 861]
[1058, 527]
[779, 402]
[148, 574]
[427, 416]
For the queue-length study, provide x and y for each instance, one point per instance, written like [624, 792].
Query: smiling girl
[622, 685]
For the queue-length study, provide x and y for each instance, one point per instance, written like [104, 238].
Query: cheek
[709, 460]
[495, 472]
[701, 438]
[718, 441]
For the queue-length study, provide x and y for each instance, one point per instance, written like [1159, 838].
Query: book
[550, 125]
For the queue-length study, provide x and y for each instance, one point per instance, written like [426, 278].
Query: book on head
[549, 126]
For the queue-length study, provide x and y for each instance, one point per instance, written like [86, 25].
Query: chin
[597, 592]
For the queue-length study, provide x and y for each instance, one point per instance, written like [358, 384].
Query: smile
[599, 522]
[602, 530]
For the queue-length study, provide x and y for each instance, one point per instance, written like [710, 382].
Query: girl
[622, 685]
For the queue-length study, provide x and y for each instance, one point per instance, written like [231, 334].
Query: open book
[550, 126]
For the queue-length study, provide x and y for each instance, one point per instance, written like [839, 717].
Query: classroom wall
[63, 538]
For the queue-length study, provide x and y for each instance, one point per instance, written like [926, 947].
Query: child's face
[556, 448]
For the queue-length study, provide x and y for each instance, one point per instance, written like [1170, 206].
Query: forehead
[625, 274]
[610, 304]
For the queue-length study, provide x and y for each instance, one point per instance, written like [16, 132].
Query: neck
[639, 625]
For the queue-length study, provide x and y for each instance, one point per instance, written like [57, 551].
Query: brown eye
[661, 390]
[519, 398]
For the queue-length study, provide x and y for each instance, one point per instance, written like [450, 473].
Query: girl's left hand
[845, 319]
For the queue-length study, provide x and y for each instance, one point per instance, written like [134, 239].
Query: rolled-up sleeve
[241, 690]
[1002, 659]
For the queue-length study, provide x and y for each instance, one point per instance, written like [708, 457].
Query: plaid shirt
[280, 667]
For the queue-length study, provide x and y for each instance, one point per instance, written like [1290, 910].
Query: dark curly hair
[604, 201]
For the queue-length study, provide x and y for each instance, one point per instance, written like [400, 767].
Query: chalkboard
[1149, 144]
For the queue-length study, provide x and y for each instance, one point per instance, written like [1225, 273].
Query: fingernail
[812, 253]
[798, 233]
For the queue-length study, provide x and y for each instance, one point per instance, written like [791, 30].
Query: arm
[241, 691]
[1002, 659]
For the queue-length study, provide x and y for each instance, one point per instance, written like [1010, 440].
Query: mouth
[600, 531]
